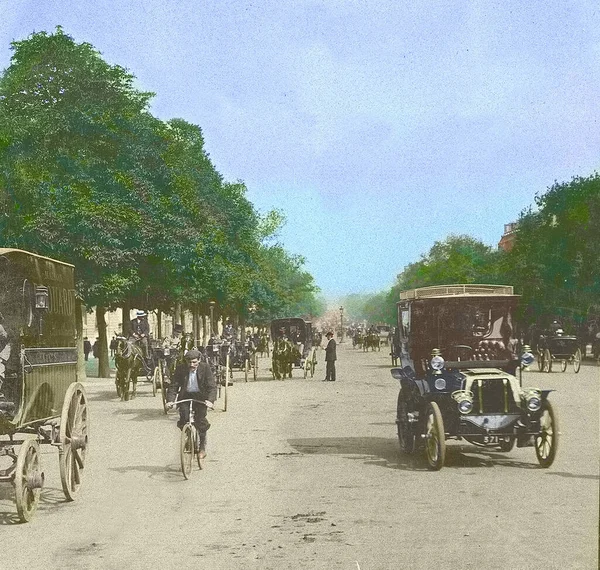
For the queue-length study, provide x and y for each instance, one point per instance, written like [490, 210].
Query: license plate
[489, 439]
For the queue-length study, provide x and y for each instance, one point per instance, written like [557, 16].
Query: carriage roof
[290, 323]
[460, 291]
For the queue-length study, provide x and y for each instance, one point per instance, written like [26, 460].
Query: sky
[378, 127]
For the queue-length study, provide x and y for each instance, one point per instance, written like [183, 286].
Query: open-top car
[459, 356]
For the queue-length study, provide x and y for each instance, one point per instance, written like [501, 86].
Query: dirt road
[304, 474]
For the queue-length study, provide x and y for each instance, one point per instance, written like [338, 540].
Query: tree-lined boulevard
[307, 474]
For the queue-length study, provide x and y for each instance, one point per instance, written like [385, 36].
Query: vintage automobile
[459, 356]
[41, 401]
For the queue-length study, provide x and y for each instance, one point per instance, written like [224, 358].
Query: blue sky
[378, 127]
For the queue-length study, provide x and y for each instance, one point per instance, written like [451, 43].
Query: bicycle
[188, 445]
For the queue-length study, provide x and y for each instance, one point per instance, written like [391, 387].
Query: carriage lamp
[464, 399]
[532, 398]
[527, 357]
[42, 299]
[436, 362]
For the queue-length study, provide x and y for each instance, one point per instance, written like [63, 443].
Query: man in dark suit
[140, 331]
[193, 379]
[330, 358]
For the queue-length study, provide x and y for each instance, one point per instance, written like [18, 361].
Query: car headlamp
[532, 398]
[440, 383]
[437, 362]
[464, 399]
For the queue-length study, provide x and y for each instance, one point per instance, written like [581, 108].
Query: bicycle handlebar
[207, 403]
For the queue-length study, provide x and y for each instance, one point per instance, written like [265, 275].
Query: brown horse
[129, 360]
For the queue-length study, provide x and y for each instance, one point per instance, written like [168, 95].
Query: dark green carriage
[41, 400]
[299, 333]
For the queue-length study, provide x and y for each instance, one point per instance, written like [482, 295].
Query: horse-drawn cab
[459, 354]
[292, 347]
[40, 397]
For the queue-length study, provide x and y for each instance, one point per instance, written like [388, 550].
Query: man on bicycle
[193, 379]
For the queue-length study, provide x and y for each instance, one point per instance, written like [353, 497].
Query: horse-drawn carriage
[371, 340]
[557, 346]
[292, 347]
[243, 357]
[41, 401]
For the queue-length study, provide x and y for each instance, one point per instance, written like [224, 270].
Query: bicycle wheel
[187, 450]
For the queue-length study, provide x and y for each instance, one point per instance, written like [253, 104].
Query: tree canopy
[89, 176]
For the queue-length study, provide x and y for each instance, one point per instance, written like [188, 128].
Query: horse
[285, 354]
[130, 363]
[263, 345]
[357, 340]
[371, 341]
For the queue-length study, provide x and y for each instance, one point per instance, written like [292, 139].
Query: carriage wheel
[547, 361]
[187, 449]
[73, 436]
[307, 363]
[225, 382]
[546, 442]
[246, 368]
[254, 365]
[29, 479]
[435, 447]
[540, 360]
[163, 386]
[563, 364]
[577, 361]
[155, 379]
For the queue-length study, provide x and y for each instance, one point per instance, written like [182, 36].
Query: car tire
[435, 442]
[546, 442]
[406, 433]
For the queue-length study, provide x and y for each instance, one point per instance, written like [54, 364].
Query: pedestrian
[96, 348]
[193, 379]
[113, 346]
[87, 347]
[330, 358]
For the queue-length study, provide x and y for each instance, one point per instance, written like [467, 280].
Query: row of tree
[554, 262]
[89, 176]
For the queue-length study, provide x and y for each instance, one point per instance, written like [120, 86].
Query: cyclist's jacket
[206, 383]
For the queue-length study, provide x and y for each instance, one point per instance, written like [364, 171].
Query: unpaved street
[304, 474]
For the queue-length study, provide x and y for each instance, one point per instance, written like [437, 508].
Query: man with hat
[330, 358]
[193, 379]
[140, 331]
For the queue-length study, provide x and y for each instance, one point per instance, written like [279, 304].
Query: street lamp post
[341, 324]
[211, 304]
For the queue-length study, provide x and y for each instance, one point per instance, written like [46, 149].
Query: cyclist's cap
[192, 354]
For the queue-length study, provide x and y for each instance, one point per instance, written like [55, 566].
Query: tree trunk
[204, 330]
[125, 328]
[81, 374]
[195, 332]
[159, 324]
[103, 364]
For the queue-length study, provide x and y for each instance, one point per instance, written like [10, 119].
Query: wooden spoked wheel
[29, 479]
[73, 439]
[155, 379]
[187, 450]
[577, 361]
[435, 446]
[546, 442]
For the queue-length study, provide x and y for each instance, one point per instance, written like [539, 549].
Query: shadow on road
[384, 453]
[165, 473]
[50, 498]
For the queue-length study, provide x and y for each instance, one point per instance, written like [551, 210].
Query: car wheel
[546, 442]
[435, 446]
[406, 433]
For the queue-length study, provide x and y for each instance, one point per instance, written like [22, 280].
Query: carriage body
[43, 358]
[558, 347]
[40, 391]
[459, 356]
